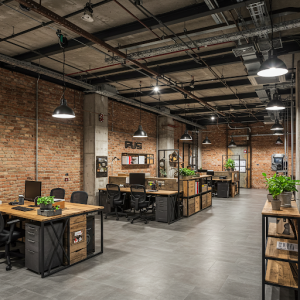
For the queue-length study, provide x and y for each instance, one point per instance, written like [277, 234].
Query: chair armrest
[11, 229]
[13, 221]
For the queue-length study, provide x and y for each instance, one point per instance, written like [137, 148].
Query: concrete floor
[213, 255]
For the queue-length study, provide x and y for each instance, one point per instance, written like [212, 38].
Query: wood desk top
[218, 179]
[283, 212]
[71, 209]
[160, 192]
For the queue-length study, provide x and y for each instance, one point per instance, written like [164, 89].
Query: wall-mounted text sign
[133, 145]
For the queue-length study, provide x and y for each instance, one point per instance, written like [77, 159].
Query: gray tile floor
[215, 254]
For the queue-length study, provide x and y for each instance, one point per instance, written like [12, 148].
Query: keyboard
[151, 191]
[22, 208]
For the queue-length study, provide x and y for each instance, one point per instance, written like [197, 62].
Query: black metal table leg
[263, 257]
[42, 266]
[101, 214]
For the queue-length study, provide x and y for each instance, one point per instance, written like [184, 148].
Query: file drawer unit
[196, 194]
[33, 246]
[164, 212]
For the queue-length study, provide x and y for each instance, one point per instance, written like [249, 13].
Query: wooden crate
[208, 199]
[204, 201]
[197, 203]
[204, 188]
[188, 188]
[77, 235]
[188, 207]
[232, 190]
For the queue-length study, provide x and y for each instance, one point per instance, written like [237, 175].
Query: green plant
[279, 184]
[45, 200]
[57, 207]
[229, 164]
[186, 172]
[163, 172]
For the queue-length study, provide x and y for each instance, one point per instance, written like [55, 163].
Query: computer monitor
[137, 178]
[32, 189]
[210, 172]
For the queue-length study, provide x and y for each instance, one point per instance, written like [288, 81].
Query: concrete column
[200, 139]
[165, 129]
[95, 143]
[297, 109]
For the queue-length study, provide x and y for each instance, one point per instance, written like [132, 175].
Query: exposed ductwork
[230, 37]
[104, 90]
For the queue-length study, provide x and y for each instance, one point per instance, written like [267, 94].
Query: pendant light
[206, 141]
[63, 111]
[186, 136]
[279, 141]
[278, 132]
[273, 66]
[276, 103]
[232, 144]
[277, 126]
[140, 133]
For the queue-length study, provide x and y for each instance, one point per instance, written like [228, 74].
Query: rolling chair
[7, 237]
[140, 201]
[79, 197]
[115, 200]
[58, 193]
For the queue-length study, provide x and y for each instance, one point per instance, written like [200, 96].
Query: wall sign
[133, 145]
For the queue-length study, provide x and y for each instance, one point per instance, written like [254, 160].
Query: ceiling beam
[206, 86]
[174, 17]
[171, 68]
[206, 122]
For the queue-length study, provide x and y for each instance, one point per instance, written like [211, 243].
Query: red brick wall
[60, 141]
[262, 148]
[123, 121]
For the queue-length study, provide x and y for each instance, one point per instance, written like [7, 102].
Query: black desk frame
[59, 244]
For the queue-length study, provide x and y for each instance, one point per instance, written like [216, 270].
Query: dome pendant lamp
[273, 66]
[277, 126]
[279, 141]
[63, 111]
[232, 144]
[206, 141]
[276, 103]
[278, 132]
[140, 133]
[186, 136]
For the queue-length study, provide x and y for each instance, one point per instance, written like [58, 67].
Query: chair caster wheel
[146, 222]
[117, 219]
[131, 222]
[105, 217]
[128, 219]
[126, 216]
[8, 268]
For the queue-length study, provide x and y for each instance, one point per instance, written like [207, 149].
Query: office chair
[140, 201]
[79, 197]
[9, 236]
[58, 193]
[115, 200]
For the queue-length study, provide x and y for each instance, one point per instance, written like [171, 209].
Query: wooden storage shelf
[272, 233]
[273, 253]
[279, 273]
[135, 159]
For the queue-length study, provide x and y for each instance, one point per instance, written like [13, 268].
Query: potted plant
[229, 165]
[186, 173]
[287, 186]
[271, 185]
[163, 173]
[45, 203]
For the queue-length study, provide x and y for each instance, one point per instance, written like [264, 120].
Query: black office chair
[79, 197]
[58, 193]
[9, 236]
[140, 201]
[116, 200]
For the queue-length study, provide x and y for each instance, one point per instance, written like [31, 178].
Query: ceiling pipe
[230, 37]
[238, 128]
[91, 88]
[79, 31]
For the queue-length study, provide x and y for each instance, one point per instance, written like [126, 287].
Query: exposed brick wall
[60, 141]
[262, 148]
[123, 121]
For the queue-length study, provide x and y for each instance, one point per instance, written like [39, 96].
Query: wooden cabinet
[188, 188]
[188, 207]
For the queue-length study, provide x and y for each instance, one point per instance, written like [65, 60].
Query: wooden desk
[69, 215]
[170, 195]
